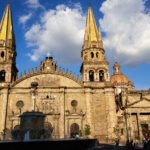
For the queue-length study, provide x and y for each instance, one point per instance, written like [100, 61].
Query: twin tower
[94, 68]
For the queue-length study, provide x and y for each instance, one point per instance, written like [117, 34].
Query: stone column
[139, 126]
[88, 98]
[63, 126]
[111, 114]
[4, 100]
[62, 122]
[133, 124]
[129, 121]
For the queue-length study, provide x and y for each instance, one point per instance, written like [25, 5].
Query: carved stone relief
[48, 81]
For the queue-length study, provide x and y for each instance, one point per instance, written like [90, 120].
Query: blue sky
[56, 27]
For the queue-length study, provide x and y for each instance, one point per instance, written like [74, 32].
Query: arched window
[91, 75]
[2, 75]
[2, 54]
[101, 75]
[97, 54]
[92, 55]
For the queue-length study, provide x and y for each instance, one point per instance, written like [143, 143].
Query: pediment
[145, 102]
[48, 80]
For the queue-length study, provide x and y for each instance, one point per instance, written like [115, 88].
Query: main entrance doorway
[74, 130]
[145, 130]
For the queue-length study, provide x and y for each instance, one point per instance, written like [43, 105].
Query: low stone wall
[70, 144]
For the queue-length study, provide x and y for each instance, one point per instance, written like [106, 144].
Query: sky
[56, 28]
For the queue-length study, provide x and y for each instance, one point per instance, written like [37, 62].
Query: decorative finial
[24, 74]
[32, 70]
[48, 54]
[17, 77]
[8, 1]
[89, 4]
[20, 75]
[29, 72]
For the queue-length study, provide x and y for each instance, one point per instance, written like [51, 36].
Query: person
[136, 143]
[145, 143]
[131, 147]
[127, 144]
[72, 135]
[77, 136]
[148, 143]
[117, 142]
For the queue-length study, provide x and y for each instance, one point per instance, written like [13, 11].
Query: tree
[80, 132]
[87, 130]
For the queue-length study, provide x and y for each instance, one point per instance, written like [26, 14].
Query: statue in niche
[118, 100]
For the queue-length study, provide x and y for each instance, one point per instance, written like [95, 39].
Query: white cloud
[23, 19]
[127, 30]
[34, 4]
[59, 32]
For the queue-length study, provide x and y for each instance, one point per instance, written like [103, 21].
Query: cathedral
[107, 104]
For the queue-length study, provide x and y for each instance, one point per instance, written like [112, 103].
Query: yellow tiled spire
[6, 27]
[92, 36]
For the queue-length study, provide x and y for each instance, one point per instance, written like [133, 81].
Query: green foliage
[80, 132]
[87, 130]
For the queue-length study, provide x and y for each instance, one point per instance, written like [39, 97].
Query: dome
[119, 78]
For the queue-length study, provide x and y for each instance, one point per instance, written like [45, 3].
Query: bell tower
[8, 70]
[94, 67]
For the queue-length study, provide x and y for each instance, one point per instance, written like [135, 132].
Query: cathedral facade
[108, 105]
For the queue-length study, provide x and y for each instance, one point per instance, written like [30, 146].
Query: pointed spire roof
[6, 26]
[92, 36]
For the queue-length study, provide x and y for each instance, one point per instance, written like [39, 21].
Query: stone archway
[91, 75]
[74, 130]
[16, 132]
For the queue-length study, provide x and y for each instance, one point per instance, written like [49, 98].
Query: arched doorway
[74, 130]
